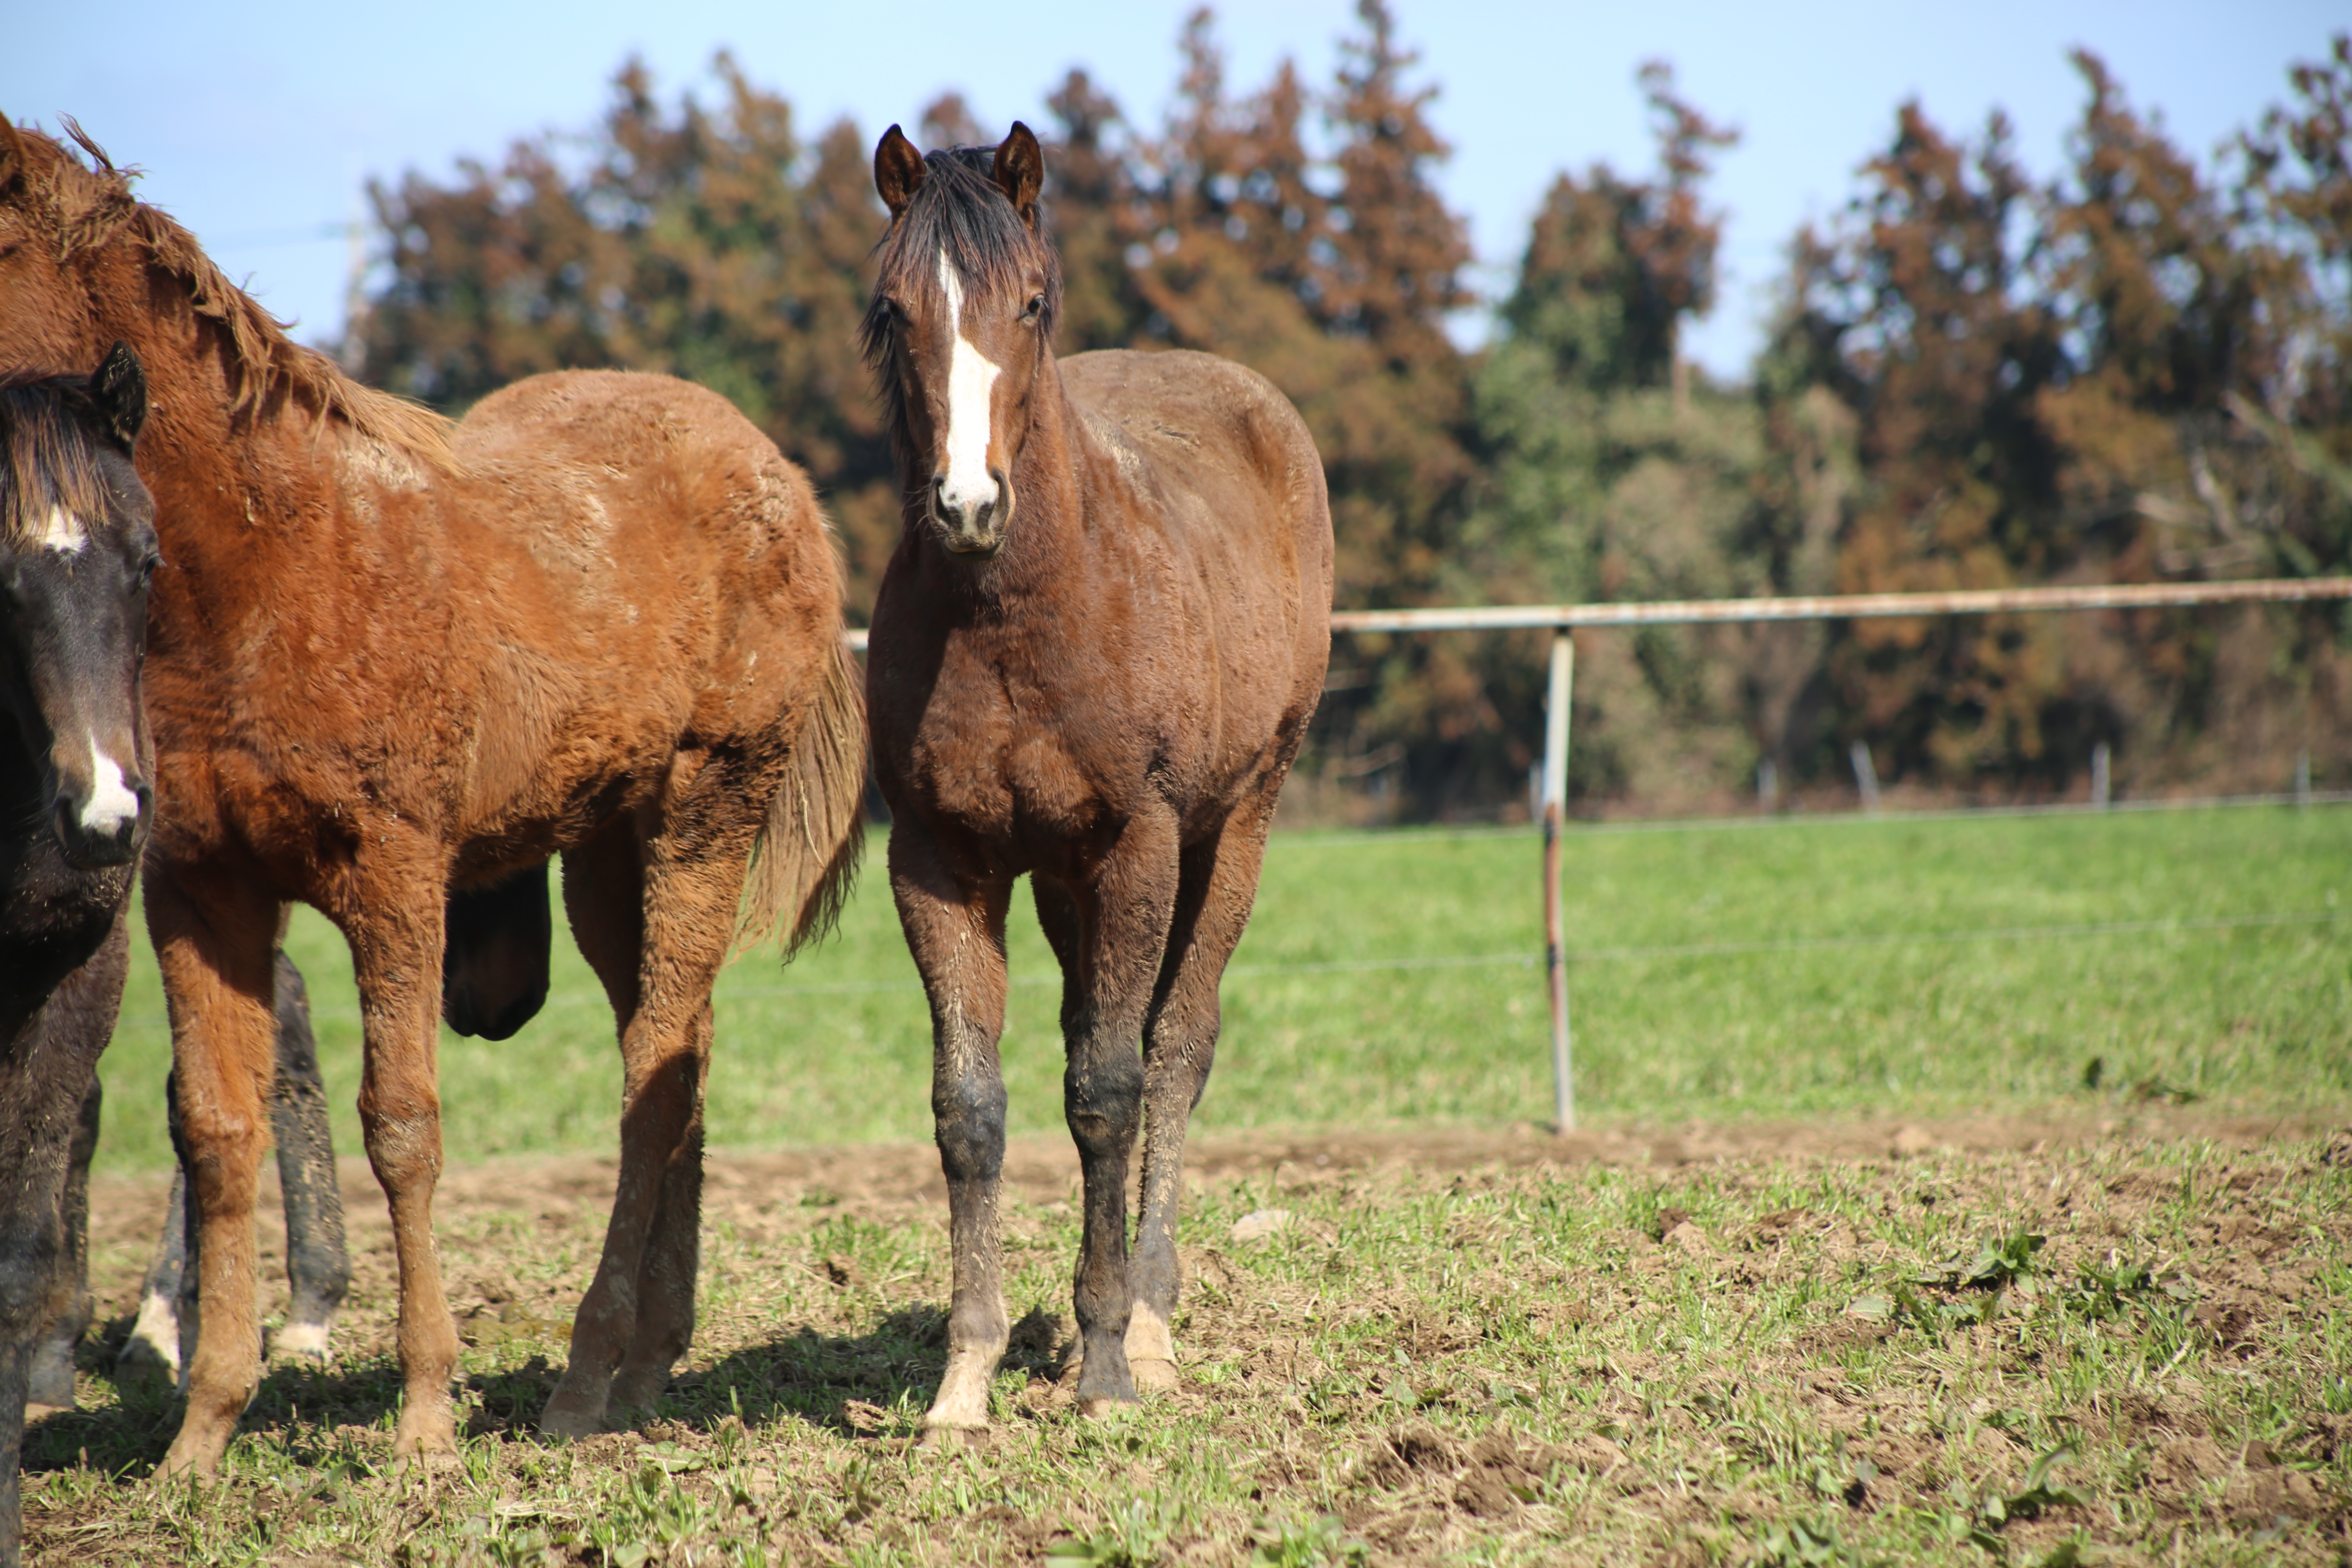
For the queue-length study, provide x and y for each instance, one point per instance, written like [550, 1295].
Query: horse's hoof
[946, 1439]
[432, 1460]
[1116, 1388]
[568, 1420]
[191, 1455]
[1097, 1407]
[36, 1410]
[308, 1341]
[1152, 1375]
[428, 1437]
[637, 1391]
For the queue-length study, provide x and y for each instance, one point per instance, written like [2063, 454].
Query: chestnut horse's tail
[806, 857]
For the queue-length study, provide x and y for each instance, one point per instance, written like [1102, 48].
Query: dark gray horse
[77, 551]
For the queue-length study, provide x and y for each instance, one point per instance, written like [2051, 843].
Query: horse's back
[636, 546]
[651, 432]
[1203, 424]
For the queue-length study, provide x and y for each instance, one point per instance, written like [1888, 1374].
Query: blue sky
[257, 123]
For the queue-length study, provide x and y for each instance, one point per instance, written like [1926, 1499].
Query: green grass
[837, 1049]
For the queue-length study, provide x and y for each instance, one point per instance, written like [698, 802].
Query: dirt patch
[1630, 1344]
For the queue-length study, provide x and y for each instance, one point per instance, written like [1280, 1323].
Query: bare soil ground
[1749, 1343]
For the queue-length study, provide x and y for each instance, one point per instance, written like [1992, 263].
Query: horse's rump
[642, 555]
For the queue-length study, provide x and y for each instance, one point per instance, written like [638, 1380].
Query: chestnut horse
[600, 616]
[1095, 652]
[77, 551]
[493, 959]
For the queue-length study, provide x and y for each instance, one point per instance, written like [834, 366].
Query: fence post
[1865, 777]
[2101, 776]
[1555, 809]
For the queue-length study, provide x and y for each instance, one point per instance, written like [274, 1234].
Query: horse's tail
[806, 857]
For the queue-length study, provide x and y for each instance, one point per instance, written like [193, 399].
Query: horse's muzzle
[971, 526]
[95, 839]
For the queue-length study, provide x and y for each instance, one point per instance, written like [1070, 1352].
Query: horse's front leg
[214, 934]
[1125, 915]
[954, 921]
[393, 918]
[51, 1381]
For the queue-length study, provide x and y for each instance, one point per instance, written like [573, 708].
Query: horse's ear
[119, 390]
[898, 170]
[1021, 172]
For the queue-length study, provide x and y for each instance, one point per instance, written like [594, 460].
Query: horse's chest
[1012, 764]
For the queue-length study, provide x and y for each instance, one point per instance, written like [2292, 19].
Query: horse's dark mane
[47, 456]
[958, 208]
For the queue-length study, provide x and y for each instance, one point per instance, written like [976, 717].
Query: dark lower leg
[15, 1362]
[1103, 1096]
[51, 1380]
[968, 1109]
[953, 916]
[672, 1262]
[169, 1297]
[317, 1269]
[1174, 1074]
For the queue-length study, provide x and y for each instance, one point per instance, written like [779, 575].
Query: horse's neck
[215, 470]
[1058, 549]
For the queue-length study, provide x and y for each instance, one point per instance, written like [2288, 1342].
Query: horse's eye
[147, 570]
[1036, 307]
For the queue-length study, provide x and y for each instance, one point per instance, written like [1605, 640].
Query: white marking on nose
[63, 533]
[111, 806]
[971, 375]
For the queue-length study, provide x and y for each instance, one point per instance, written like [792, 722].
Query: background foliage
[2134, 371]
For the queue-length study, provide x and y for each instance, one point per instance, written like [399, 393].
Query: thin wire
[1520, 960]
[1306, 838]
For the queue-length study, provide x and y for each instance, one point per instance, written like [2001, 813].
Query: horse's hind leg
[603, 898]
[637, 1318]
[167, 1306]
[690, 913]
[1218, 885]
[673, 1259]
[51, 1380]
[317, 1269]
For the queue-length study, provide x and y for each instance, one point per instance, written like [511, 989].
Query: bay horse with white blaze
[390, 656]
[1093, 659]
[77, 547]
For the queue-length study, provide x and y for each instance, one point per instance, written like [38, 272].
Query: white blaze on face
[969, 378]
[111, 806]
[63, 532]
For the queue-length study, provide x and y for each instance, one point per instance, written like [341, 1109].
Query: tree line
[2134, 371]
